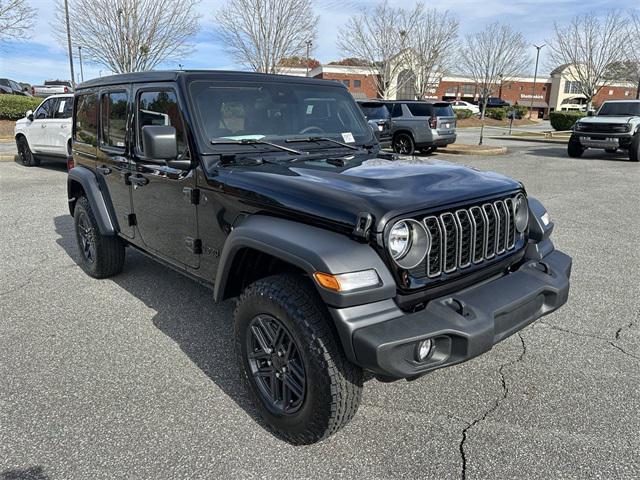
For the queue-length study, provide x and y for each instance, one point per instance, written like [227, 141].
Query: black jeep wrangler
[272, 189]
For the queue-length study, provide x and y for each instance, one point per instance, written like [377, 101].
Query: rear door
[162, 196]
[113, 158]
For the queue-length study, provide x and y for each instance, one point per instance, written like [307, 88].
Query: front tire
[297, 374]
[574, 148]
[634, 148]
[403, 144]
[101, 256]
[27, 157]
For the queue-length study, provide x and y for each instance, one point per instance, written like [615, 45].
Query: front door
[112, 164]
[59, 129]
[38, 135]
[162, 202]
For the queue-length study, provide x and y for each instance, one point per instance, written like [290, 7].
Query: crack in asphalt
[623, 350]
[493, 408]
[578, 334]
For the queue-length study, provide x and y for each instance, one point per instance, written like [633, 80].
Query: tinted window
[64, 108]
[275, 110]
[114, 119]
[46, 110]
[395, 109]
[620, 108]
[420, 109]
[86, 126]
[443, 111]
[160, 107]
[5, 82]
[374, 111]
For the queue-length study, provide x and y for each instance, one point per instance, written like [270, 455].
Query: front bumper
[462, 325]
[603, 140]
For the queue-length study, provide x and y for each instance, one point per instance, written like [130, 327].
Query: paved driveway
[134, 377]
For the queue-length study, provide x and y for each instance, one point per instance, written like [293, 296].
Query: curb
[473, 150]
[8, 158]
[557, 141]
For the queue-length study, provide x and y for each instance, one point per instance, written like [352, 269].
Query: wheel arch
[82, 182]
[291, 246]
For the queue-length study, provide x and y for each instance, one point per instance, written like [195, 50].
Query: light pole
[66, 14]
[308, 43]
[80, 56]
[535, 77]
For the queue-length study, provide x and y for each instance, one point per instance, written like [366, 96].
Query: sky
[42, 57]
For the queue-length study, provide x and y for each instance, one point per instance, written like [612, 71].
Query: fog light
[424, 349]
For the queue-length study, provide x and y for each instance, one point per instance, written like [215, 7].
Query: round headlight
[521, 212]
[408, 243]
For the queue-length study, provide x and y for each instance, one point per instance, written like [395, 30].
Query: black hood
[383, 188]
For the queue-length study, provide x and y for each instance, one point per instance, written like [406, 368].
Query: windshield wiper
[251, 141]
[321, 139]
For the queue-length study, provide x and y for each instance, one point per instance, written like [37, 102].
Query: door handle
[104, 170]
[64, 125]
[43, 125]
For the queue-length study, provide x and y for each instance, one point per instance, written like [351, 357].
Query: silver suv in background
[421, 125]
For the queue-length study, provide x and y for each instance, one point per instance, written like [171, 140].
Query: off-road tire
[403, 144]
[27, 157]
[634, 148]
[333, 385]
[108, 250]
[574, 149]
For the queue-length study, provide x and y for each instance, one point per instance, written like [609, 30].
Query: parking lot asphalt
[134, 377]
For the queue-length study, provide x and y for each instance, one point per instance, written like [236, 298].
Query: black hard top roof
[172, 75]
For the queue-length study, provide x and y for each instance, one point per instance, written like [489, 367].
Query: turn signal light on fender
[347, 282]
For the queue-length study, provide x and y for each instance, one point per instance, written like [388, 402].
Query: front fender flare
[312, 250]
[87, 179]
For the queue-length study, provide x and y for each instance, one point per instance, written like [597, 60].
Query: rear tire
[574, 149]
[403, 144]
[634, 148]
[101, 256]
[327, 388]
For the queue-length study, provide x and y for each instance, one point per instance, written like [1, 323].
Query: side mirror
[29, 115]
[159, 142]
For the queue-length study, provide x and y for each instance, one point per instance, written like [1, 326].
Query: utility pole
[308, 43]
[80, 56]
[66, 14]
[535, 77]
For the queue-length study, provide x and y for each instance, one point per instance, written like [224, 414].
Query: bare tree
[261, 33]
[632, 57]
[433, 41]
[130, 35]
[589, 45]
[16, 19]
[492, 56]
[381, 37]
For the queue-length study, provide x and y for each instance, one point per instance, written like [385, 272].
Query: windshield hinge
[363, 225]
[191, 195]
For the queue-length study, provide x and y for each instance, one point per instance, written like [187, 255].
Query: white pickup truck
[52, 87]
[45, 133]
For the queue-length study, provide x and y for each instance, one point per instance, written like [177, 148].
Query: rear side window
[64, 109]
[86, 127]
[420, 109]
[160, 107]
[114, 119]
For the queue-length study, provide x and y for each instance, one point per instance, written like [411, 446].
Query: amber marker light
[346, 282]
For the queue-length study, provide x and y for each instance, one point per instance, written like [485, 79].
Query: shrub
[13, 107]
[564, 120]
[496, 113]
[522, 111]
[463, 113]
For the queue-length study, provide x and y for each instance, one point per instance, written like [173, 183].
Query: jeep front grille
[468, 236]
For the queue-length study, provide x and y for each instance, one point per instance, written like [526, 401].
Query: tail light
[70, 162]
[433, 123]
[66, 90]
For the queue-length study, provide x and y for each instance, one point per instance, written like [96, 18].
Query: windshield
[275, 112]
[620, 108]
[374, 111]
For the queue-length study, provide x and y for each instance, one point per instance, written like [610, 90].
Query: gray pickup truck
[615, 126]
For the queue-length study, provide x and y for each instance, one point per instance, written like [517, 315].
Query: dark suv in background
[272, 190]
[421, 125]
[379, 118]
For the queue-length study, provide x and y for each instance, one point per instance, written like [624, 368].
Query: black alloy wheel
[276, 365]
[86, 238]
[403, 144]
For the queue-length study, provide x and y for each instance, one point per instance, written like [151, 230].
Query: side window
[420, 109]
[395, 109]
[160, 107]
[86, 127]
[114, 119]
[64, 109]
[45, 111]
